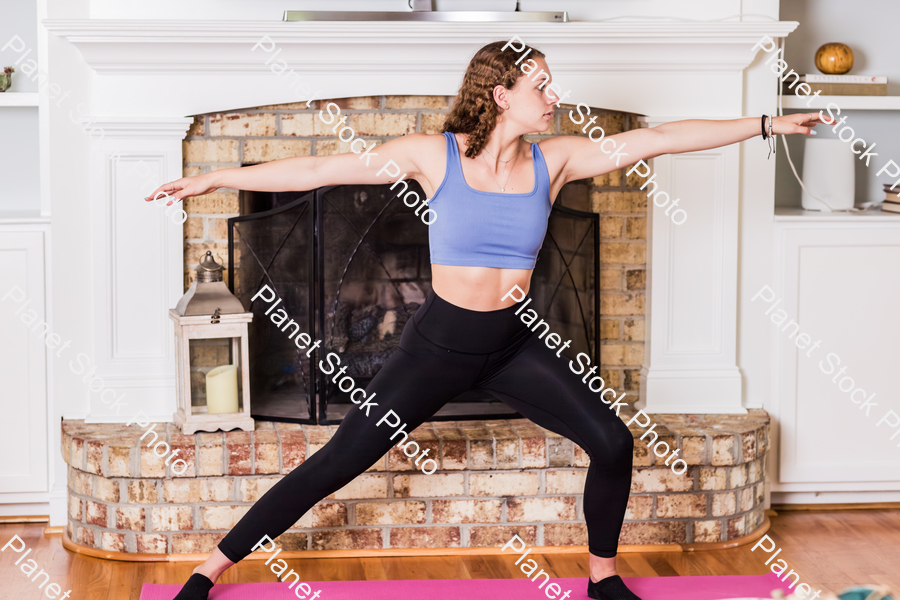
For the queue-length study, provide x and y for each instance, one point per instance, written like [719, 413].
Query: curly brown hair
[475, 113]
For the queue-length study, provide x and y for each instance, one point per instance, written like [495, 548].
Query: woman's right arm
[301, 173]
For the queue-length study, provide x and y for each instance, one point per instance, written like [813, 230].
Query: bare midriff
[477, 288]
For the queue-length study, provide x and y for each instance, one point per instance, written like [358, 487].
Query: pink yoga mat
[648, 588]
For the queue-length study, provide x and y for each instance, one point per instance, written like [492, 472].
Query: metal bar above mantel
[460, 16]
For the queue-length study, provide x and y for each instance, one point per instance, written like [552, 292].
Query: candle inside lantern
[221, 390]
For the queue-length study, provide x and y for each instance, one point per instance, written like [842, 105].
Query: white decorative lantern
[211, 354]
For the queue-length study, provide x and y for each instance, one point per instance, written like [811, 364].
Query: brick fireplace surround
[495, 478]
[265, 133]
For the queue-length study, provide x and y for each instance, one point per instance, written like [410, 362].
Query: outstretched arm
[696, 134]
[585, 158]
[300, 173]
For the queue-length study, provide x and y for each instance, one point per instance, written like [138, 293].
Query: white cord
[862, 207]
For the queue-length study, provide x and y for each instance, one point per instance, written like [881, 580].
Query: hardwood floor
[831, 550]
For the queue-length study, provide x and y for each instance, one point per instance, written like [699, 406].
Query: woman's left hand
[799, 123]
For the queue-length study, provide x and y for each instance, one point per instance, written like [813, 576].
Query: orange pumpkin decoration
[834, 58]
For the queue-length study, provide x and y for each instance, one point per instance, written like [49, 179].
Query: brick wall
[265, 133]
[494, 479]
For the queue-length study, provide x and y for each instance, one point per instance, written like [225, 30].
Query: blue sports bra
[487, 229]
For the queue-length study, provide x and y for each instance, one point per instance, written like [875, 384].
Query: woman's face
[531, 102]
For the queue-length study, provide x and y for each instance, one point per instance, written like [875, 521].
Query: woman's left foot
[196, 588]
[611, 588]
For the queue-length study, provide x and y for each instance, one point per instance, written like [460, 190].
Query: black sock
[611, 588]
[196, 588]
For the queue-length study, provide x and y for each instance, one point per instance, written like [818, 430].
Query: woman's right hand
[185, 187]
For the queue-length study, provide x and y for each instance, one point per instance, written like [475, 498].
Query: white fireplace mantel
[150, 75]
[650, 69]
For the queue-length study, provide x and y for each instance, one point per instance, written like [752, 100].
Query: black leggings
[444, 351]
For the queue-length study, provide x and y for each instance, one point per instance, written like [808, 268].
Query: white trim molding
[137, 255]
[691, 348]
[848, 497]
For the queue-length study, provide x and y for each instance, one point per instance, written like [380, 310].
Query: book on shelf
[891, 199]
[842, 89]
[864, 79]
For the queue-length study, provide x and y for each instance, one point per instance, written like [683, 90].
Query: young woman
[492, 193]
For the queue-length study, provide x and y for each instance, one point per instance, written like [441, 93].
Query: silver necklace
[515, 158]
[497, 159]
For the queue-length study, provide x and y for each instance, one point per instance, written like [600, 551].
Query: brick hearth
[495, 478]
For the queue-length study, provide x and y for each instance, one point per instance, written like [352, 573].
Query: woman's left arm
[584, 158]
[696, 134]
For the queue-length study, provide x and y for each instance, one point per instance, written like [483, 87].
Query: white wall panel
[695, 252]
[137, 283]
[690, 353]
[137, 264]
[841, 285]
[23, 364]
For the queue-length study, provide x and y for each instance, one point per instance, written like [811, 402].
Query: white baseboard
[25, 509]
[824, 487]
[834, 497]
[691, 391]
[154, 418]
[59, 507]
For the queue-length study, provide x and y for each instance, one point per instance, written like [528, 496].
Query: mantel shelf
[128, 46]
[845, 102]
[18, 99]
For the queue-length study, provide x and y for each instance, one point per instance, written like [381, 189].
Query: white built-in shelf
[784, 213]
[18, 98]
[845, 102]
[20, 217]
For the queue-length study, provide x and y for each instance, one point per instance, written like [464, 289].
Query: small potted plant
[6, 78]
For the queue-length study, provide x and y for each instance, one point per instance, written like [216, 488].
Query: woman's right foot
[196, 588]
[610, 588]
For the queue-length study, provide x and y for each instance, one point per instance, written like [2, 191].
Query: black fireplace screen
[350, 265]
